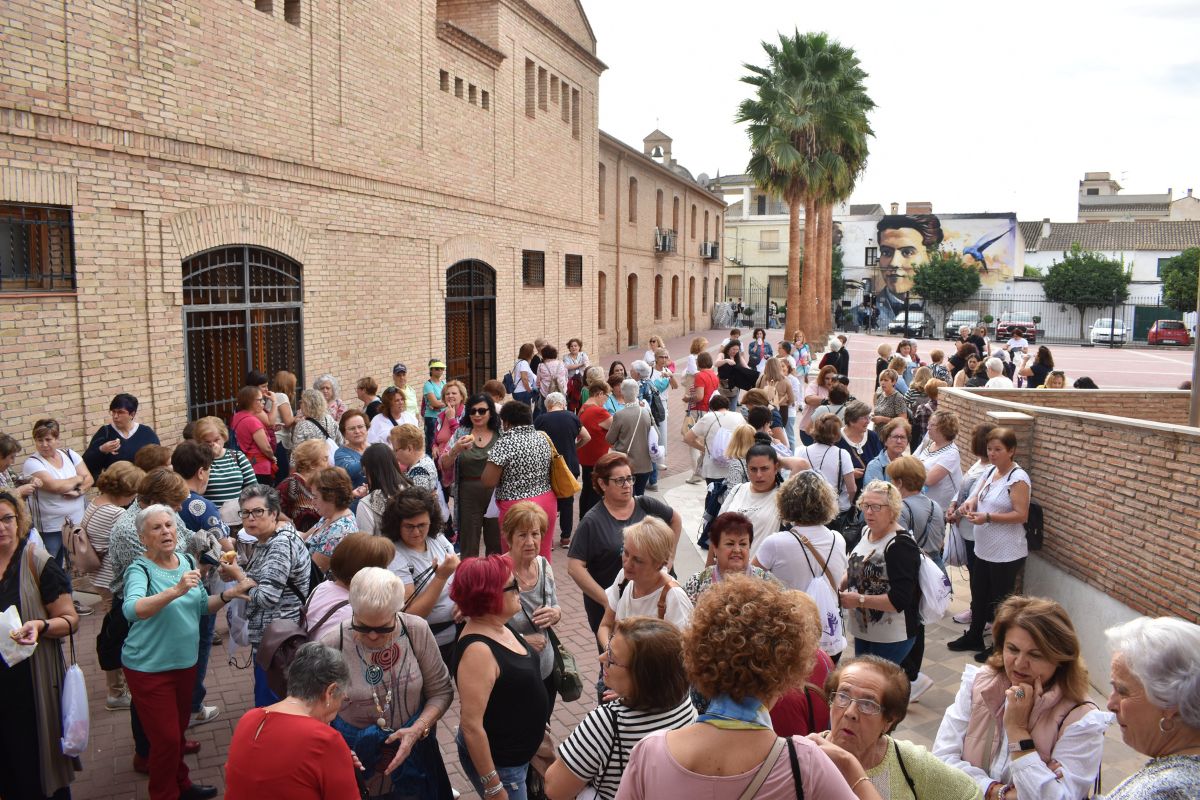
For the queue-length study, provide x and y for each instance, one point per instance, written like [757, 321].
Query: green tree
[1179, 280]
[945, 282]
[1032, 272]
[1084, 279]
[808, 133]
[837, 281]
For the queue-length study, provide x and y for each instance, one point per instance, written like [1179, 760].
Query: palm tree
[808, 133]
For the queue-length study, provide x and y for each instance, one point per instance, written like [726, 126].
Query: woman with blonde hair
[643, 588]
[523, 530]
[774, 382]
[231, 470]
[1029, 699]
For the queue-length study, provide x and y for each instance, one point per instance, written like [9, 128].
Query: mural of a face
[901, 251]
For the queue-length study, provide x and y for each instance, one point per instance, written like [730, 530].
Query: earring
[1163, 728]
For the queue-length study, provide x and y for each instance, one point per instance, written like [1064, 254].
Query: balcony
[665, 241]
[710, 250]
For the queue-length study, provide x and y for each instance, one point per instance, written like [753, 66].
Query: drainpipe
[1194, 409]
[617, 254]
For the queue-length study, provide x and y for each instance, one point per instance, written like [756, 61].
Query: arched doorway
[471, 323]
[631, 330]
[242, 310]
[692, 302]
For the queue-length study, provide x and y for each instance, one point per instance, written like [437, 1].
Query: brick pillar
[1022, 425]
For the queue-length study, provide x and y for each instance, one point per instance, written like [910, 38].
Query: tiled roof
[865, 209]
[1174, 235]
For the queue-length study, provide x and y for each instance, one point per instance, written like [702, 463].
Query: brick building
[190, 189]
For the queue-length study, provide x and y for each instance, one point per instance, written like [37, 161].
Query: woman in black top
[567, 433]
[1036, 368]
[499, 681]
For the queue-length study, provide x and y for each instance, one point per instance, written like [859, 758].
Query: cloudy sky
[997, 107]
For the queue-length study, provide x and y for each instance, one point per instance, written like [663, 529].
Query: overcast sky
[997, 107]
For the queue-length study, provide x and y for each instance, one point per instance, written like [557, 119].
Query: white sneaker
[919, 687]
[963, 618]
[695, 479]
[118, 703]
[205, 714]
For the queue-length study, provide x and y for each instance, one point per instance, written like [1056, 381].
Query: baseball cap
[399, 368]
[435, 364]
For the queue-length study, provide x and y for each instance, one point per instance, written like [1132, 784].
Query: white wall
[1145, 262]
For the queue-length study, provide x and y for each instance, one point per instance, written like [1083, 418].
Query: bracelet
[988, 518]
[493, 790]
[854, 785]
[45, 627]
[222, 596]
[486, 779]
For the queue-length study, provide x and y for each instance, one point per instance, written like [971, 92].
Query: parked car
[958, 319]
[1168, 331]
[911, 323]
[1107, 330]
[1012, 320]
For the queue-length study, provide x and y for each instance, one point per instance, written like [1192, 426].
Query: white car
[1108, 331]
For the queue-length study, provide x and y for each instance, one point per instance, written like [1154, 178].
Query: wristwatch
[862, 601]
[1022, 746]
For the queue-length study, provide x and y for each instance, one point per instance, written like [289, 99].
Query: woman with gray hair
[163, 603]
[288, 749]
[398, 689]
[567, 434]
[327, 385]
[315, 421]
[629, 434]
[1156, 697]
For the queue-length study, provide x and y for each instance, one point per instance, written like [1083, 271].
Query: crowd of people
[408, 541]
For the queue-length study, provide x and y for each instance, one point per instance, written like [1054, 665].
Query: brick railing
[1121, 494]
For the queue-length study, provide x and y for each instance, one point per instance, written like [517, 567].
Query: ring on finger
[1020, 694]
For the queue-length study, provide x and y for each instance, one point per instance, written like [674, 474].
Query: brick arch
[207, 227]
[470, 247]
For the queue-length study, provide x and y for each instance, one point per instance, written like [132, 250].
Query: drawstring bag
[75, 722]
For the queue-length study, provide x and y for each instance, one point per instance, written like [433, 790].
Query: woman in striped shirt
[643, 670]
[231, 471]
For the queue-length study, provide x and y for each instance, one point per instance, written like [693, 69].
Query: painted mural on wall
[987, 242]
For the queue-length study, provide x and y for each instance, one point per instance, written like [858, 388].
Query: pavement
[108, 769]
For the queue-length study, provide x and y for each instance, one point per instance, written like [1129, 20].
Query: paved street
[108, 770]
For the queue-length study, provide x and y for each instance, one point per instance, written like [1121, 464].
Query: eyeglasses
[897, 437]
[8, 519]
[622, 481]
[513, 587]
[478, 412]
[252, 513]
[865, 706]
[422, 527]
[608, 656]
[381, 630]
[874, 508]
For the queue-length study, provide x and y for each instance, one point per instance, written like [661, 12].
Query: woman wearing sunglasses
[868, 699]
[499, 681]
[467, 455]
[399, 688]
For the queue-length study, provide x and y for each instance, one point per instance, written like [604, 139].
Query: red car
[1011, 321]
[1168, 331]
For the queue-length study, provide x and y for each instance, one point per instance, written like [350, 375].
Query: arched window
[675, 215]
[674, 296]
[658, 292]
[716, 290]
[706, 224]
[704, 295]
[601, 300]
[693, 220]
[603, 176]
[633, 199]
[658, 208]
[242, 310]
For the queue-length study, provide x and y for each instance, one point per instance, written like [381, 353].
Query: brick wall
[1154, 405]
[1121, 495]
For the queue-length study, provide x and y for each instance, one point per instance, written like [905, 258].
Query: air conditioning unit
[706, 249]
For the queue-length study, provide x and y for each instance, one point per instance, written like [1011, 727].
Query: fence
[758, 309]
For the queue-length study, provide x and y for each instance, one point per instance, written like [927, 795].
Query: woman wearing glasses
[868, 699]
[499, 680]
[398, 690]
[881, 584]
[595, 555]
[425, 561]
[467, 455]
[279, 566]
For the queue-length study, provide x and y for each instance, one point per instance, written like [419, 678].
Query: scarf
[725, 712]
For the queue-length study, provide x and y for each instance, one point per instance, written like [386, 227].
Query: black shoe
[964, 643]
[983, 655]
[198, 791]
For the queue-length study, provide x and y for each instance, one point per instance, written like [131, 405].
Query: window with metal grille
[37, 251]
[704, 295]
[242, 310]
[533, 268]
[603, 174]
[871, 256]
[574, 269]
[674, 296]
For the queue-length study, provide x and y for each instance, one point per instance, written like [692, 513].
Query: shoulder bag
[83, 557]
[562, 481]
[567, 679]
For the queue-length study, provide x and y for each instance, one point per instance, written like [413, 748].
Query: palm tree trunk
[792, 319]
[808, 280]
[819, 281]
[827, 267]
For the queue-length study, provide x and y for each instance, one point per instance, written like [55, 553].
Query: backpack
[935, 587]
[825, 595]
[282, 638]
[930, 540]
[658, 411]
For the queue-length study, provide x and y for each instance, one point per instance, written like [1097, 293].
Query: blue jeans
[263, 696]
[513, 778]
[891, 651]
[639, 483]
[207, 623]
[54, 545]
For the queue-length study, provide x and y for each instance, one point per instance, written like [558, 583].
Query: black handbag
[114, 629]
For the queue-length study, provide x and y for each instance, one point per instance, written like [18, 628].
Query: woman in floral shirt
[519, 467]
[333, 493]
